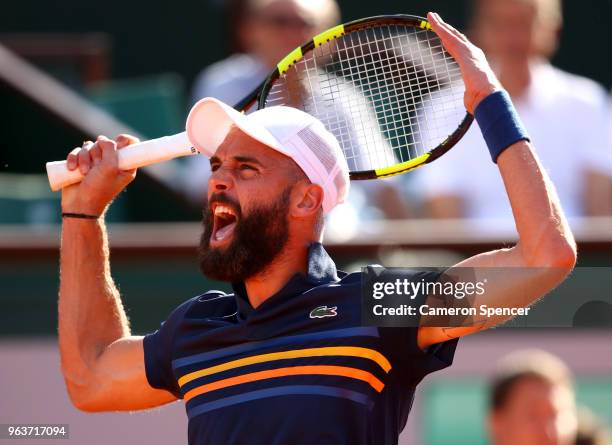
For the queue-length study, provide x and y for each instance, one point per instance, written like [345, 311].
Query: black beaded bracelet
[79, 215]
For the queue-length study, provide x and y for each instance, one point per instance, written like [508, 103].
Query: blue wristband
[500, 124]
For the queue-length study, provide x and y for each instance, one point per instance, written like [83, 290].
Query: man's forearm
[546, 250]
[539, 219]
[91, 314]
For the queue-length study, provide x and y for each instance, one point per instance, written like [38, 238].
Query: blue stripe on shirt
[331, 391]
[278, 341]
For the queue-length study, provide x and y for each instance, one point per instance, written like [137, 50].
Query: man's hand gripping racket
[478, 77]
[397, 91]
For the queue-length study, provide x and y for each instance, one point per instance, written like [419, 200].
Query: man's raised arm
[546, 245]
[102, 363]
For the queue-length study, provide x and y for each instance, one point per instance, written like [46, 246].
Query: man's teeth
[221, 209]
[226, 215]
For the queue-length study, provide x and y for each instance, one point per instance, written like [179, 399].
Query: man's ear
[306, 200]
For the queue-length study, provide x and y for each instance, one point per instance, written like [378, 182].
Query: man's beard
[257, 239]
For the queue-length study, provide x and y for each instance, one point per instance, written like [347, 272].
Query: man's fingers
[72, 160]
[123, 140]
[437, 25]
[453, 41]
[84, 158]
[478, 77]
[449, 35]
[108, 149]
[95, 153]
[450, 28]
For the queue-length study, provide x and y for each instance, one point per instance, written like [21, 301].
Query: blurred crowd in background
[532, 401]
[567, 116]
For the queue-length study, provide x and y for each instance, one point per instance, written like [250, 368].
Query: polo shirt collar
[321, 270]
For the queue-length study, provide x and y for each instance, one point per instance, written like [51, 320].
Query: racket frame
[259, 95]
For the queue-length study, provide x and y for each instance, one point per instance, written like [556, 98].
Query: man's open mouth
[224, 222]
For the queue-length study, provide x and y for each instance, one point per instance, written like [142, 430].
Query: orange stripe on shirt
[351, 351]
[342, 371]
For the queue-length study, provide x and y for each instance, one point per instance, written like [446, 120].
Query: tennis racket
[384, 86]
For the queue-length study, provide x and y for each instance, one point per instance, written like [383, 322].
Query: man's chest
[313, 344]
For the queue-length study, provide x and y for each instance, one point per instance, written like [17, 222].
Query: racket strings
[429, 86]
[389, 93]
[395, 65]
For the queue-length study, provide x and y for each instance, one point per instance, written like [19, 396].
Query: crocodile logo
[323, 311]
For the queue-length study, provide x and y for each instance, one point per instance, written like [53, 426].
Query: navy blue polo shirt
[298, 369]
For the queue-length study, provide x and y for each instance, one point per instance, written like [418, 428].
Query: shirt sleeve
[401, 344]
[158, 352]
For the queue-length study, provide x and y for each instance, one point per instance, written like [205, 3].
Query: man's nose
[220, 180]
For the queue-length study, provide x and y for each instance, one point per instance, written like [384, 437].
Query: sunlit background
[70, 70]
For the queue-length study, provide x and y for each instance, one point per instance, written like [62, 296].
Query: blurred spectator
[264, 32]
[532, 401]
[566, 116]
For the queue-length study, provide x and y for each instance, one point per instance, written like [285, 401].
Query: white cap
[287, 130]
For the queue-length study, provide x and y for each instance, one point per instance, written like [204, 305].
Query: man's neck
[291, 260]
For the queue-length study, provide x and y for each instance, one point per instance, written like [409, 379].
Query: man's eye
[214, 167]
[246, 167]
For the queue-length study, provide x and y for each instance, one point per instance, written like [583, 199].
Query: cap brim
[210, 120]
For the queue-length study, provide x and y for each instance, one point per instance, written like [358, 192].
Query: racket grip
[130, 157]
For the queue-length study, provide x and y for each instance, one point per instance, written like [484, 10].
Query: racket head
[385, 87]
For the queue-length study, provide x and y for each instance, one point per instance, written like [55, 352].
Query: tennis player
[284, 358]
